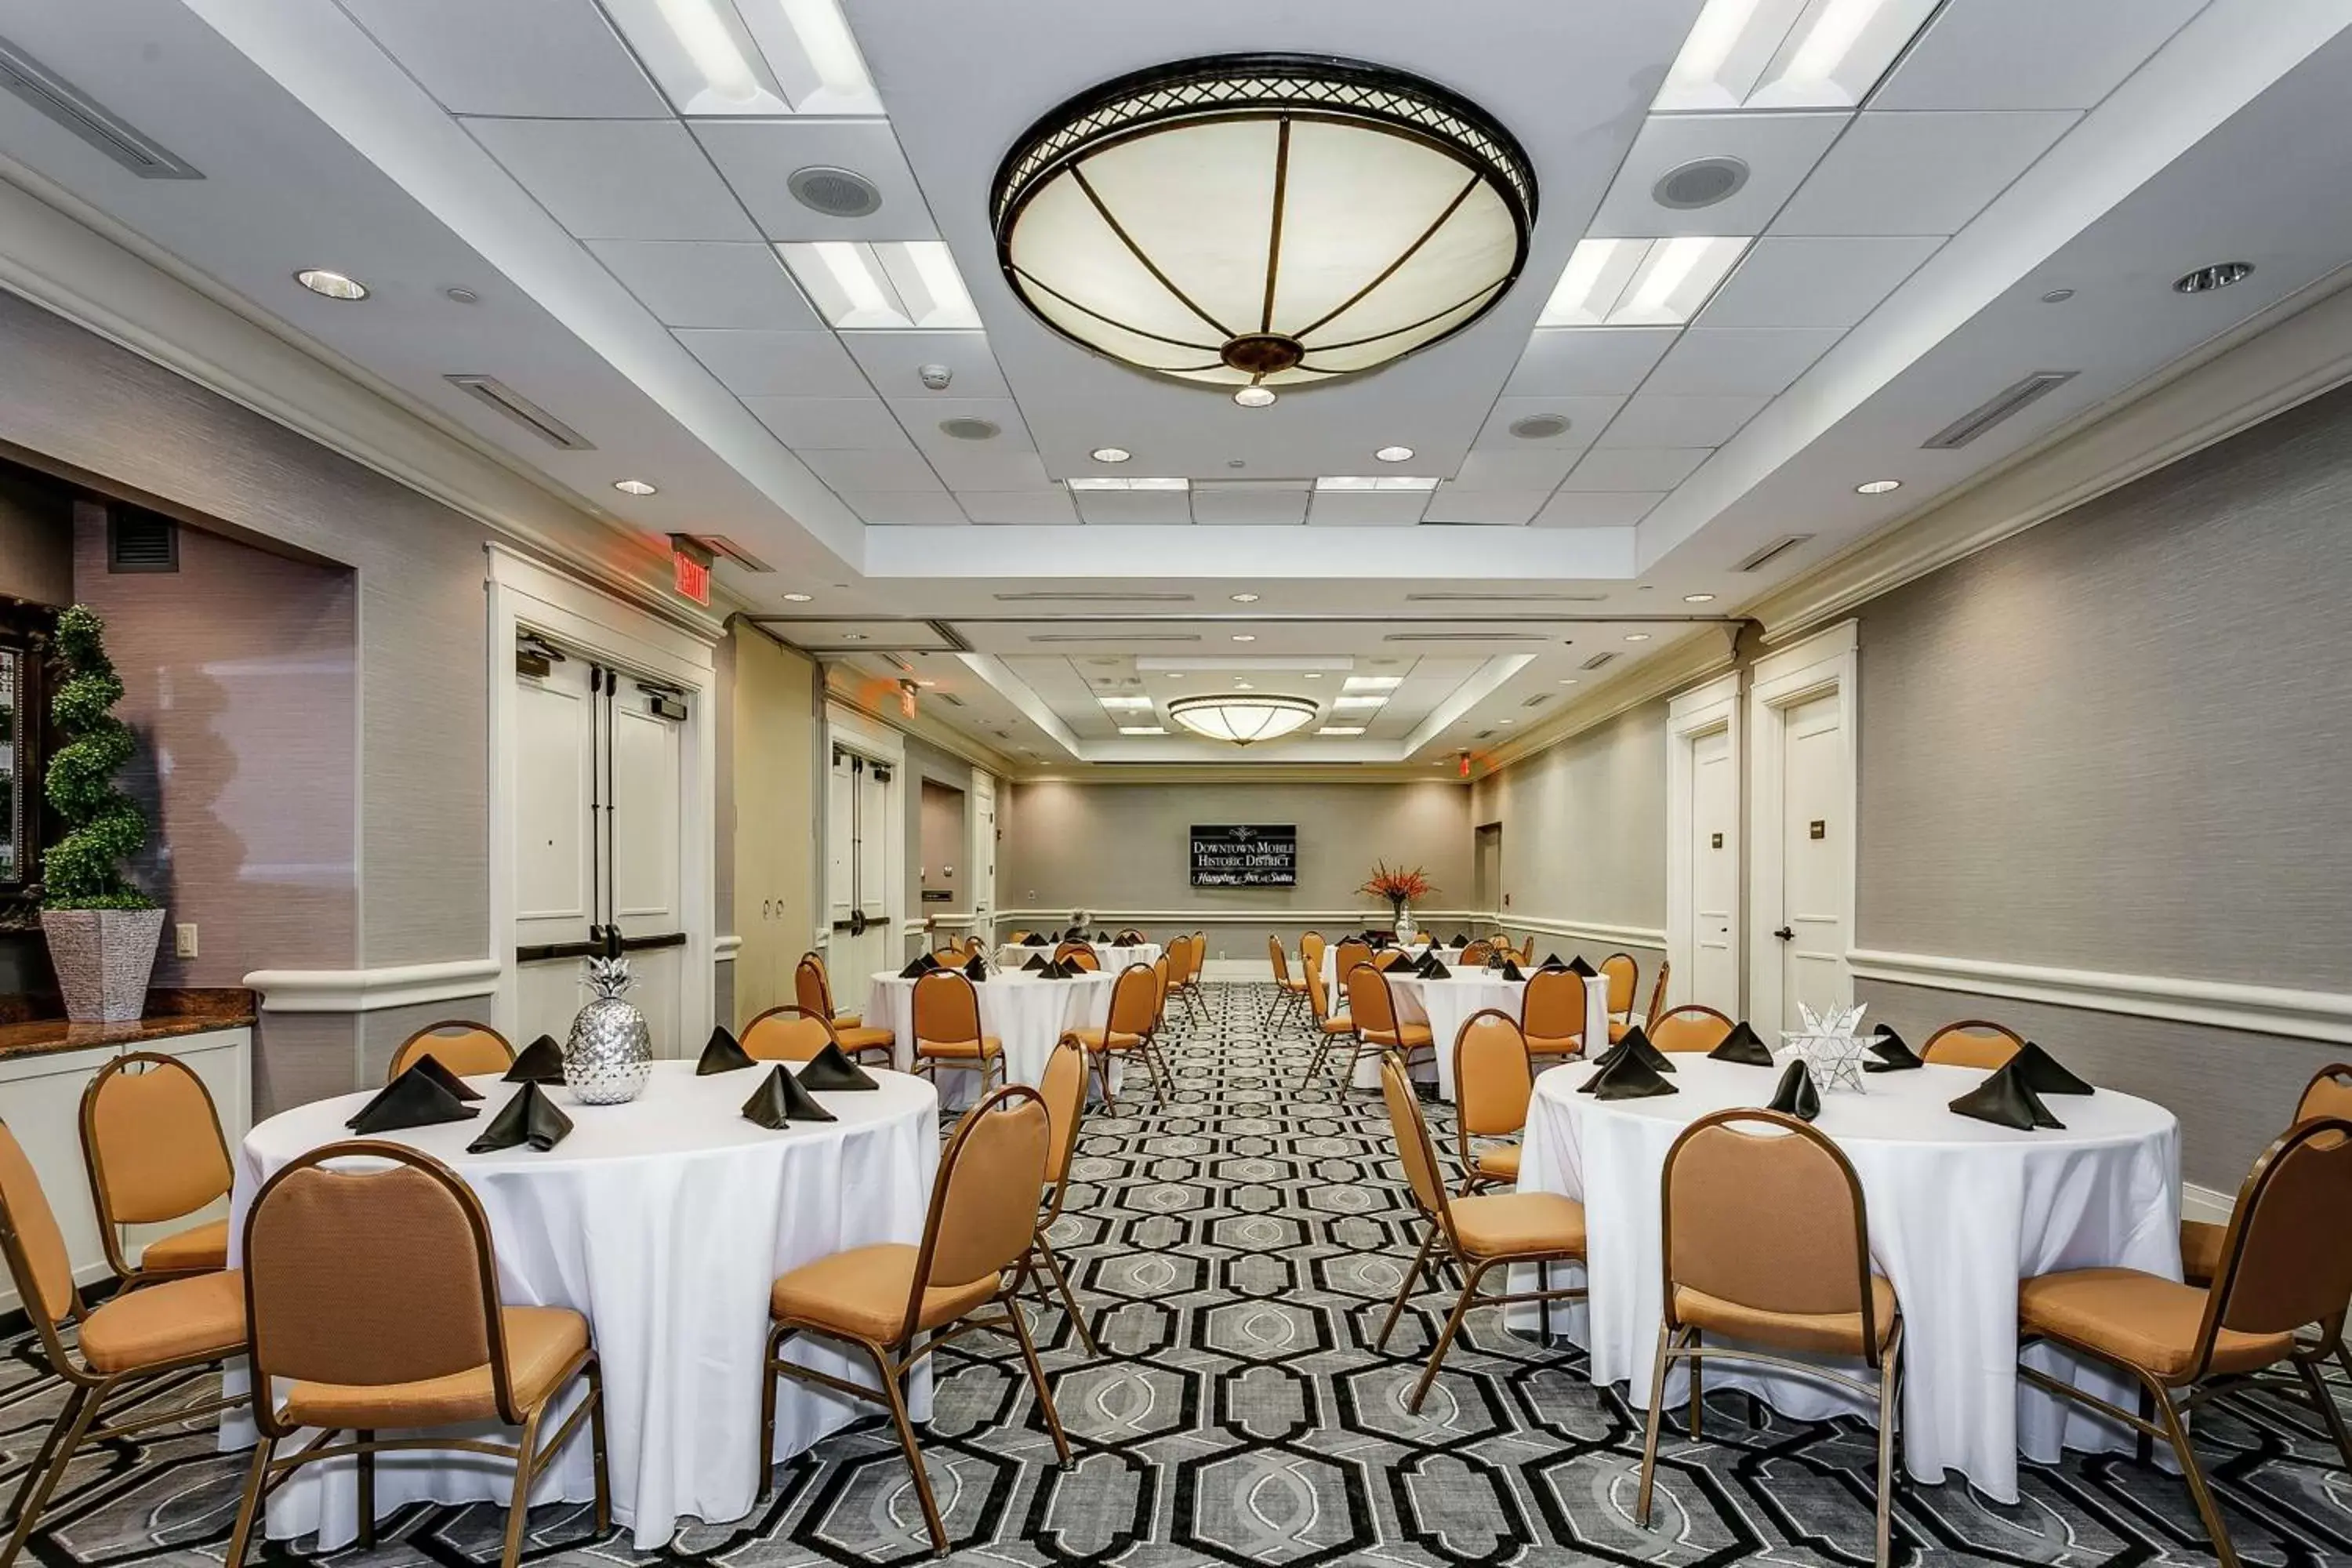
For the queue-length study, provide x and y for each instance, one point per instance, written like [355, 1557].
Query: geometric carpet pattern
[1234, 1250]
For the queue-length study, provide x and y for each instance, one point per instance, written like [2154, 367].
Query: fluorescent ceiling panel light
[1788, 54]
[1375, 482]
[1641, 282]
[1361, 699]
[1124, 701]
[1374, 682]
[1340, 730]
[1141, 730]
[750, 57]
[1105, 482]
[898, 285]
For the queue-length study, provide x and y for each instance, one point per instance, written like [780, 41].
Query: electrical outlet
[184, 940]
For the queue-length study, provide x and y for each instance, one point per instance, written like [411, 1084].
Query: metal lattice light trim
[1109, 239]
[1242, 718]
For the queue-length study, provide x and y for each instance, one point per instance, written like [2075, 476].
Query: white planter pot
[103, 958]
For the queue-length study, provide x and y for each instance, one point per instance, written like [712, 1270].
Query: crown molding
[1706, 653]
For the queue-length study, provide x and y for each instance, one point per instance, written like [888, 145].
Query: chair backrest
[1773, 1219]
[1160, 991]
[1073, 949]
[1658, 993]
[2285, 1261]
[946, 1007]
[1088, 959]
[1310, 949]
[1368, 1002]
[1353, 951]
[1200, 958]
[2329, 1093]
[983, 1213]
[953, 955]
[38, 1260]
[1552, 1006]
[1972, 1043]
[1414, 1150]
[811, 989]
[464, 1046]
[371, 1277]
[788, 1034]
[1135, 1000]
[150, 1139]
[1317, 999]
[1475, 954]
[1281, 959]
[1063, 1090]
[1689, 1028]
[1620, 972]
[1492, 1079]
[1017, 936]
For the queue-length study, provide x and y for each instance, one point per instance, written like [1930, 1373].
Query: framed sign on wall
[1246, 856]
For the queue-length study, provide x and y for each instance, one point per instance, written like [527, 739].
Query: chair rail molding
[372, 990]
[2229, 1004]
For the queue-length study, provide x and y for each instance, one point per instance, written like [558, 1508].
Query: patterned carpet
[1235, 1250]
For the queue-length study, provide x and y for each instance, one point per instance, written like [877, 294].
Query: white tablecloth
[1114, 958]
[1446, 1004]
[665, 1221]
[1027, 1016]
[1959, 1211]
[1338, 992]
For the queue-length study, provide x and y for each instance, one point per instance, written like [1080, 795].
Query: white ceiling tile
[1659, 419]
[1242, 502]
[1451, 505]
[1598, 508]
[922, 416]
[811, 423]
[617, 179]
[1537, 469]
[1804, 280]
[777, 364]
[986, 466]
[1018, 506]
[1741, 361]
[685, 284]
[1635, 468]
[1134, 506]
[540, 58]
[1918, 174]
[895, 361]
[1366, 509]
[1586, 416]
[1780, 151]
[892, 472]
[758, 157]
[918, 508]
[2030, 54]
[1570, 362]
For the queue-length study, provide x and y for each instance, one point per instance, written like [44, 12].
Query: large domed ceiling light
[1242, 717]
[1263, 220]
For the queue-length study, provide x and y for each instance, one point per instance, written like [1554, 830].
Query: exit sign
[689, 569]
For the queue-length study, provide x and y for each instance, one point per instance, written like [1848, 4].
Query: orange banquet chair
[1372, 1005]
[1127, 1030]
[1063, 1090]
[1289, 995]
[1693, 1026]
[813, 989]
[465, 1047]
[1494, 1081]
[1551, 1013]
[1620, 974]
[786, 1033]
[151, 1145]
[1972, 1043]
[946, 1015]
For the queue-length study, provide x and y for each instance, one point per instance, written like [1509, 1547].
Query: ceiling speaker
[1539, 426]
[1699, 183]
[835, 193]
[965, 429]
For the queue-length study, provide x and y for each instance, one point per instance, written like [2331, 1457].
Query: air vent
[140, 540]
[1507, 599]
[950, 698]
[1484, 735]
[1772, 552]
[58, 98]
[1597, 660]
[720, 544]
[1053, 597]
[490, 390]
[1122, 638]
[1538, 700]
[1998, 407]
[1465, 636]
[835, 193]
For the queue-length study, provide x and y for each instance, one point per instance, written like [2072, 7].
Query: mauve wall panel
[1584, 826]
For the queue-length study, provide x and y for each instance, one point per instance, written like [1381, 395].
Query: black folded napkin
[2006, 1099]
[1457, 941]
[1430, 968]
[528, 1118]
[542, 1061]
[1578, 967]
[1034, 939]
[415, 1098]
[1894, 1055]
[1036, 965]
[1511, 971]
[2043, 1074]
[1795, 1095]
[1627, 1077]
[1062, 969]
[439, 1072]
[722, 1054]
[976, 969]
[1102, 939]
[832, 1068]
[1634, 1044]
[1552, 961]
[919, 967]
[1742, 1046]
[780, 1100]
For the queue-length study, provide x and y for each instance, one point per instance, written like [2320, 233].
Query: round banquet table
[1959, 1211]
[1332, 986]
[1114, 957]
[1446, 1004]
[665, 1221]
[1027, 1016]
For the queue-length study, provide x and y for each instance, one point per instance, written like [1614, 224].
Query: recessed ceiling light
[1567, 680]
[1698, 599]
[796, 599]
[1243, 685]
[927, 683]
[458, 294]
[1255, 398]
[2057, 296]
[1394, 454]
[1173, 676]
[963, 427]
[1244, 598]
[1507, 720]
[2204, 280]
[1245, 636]
[1877, 487]
[334, 284]
[1637, 636]
[633, 486]
[1640, 283]
[1110, 454]
[1312, 675]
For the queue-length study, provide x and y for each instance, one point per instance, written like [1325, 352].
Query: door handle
[1786, 934]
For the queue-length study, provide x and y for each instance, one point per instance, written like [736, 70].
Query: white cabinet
[40, 1099]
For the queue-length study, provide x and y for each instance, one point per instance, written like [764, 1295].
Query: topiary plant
[104, 826]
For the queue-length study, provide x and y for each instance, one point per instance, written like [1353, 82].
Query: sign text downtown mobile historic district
[1246, 856]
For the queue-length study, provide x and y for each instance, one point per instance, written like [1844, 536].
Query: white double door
[1815, 836]
[860, 821]
[598, 779]
[1714, 864]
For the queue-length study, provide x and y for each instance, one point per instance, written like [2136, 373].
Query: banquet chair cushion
[1617, 1027]
[2142, 1320]
[1107, 1039]
[848, 1021]
[542, 1344]
[1824, 1333]
[860, 1037]
[863, 1293]
[1409, 1037]
[2200, 1250]
[189, 1251]
[1500, 1162]
[201, 1315]
[986, 1045]
[1555, 1045]
[1513, 1224]
[1339, 1024]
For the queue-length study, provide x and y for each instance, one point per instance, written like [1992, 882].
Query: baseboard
[2205, 1204]
[1260, 970]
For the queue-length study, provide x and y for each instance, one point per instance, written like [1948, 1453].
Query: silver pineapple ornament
[609, 1054]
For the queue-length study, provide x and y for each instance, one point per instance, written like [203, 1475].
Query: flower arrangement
[1398, 885]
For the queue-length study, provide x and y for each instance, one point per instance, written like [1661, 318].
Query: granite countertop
[169, 1013]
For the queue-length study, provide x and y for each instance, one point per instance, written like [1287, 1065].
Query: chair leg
[1890, 1382]
[519, 1510]
[2325, 1400]
[1037, 1381]
[1069, 1297]
[40, 1464]
[248, 1510]
[1468, 1299]
[1101, 1063]
[768, 1376]
[2143, 1444]
[898, 1404]
[2200, 1492]
[1650, 1434]
[73, 1422]
[1412, 1273]
[604, 1477]
[1697, 1401]
[364, 1461]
